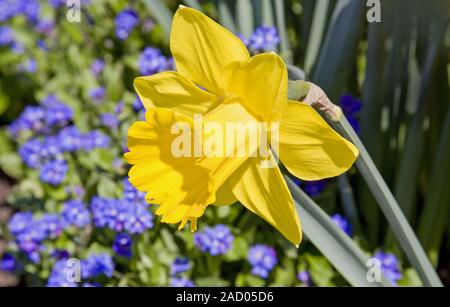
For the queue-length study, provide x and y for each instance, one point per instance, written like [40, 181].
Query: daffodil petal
[174, 91]
[309, 148]
[261, 82]
[180, 187]
[264, 192]
[202, 49]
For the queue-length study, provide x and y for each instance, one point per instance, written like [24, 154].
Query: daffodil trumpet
[217, 79]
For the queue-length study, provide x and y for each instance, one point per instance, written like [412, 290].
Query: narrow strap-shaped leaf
[194, 4]
[225, 16]
[316, 35]
[162, 14]
[281, 25]
[397, 220]
[348, 200]
[331, 241]
[244, 13]
[340, 47]
[434, 218]
[415, 140]
[267, 12]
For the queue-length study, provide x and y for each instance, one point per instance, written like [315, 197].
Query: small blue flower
[29, 66]
[214, 240]
[97, 67]
[109, 120]
[152, 61]
[264, 39]
[30, 152]
[33, 118]
[6, 36]
[314, 188]
[304, 278]
[45, 26]
[54, 172]
[180, 282]
[70, 139]
[61, 276]
[137, 105]
[52, 225]
[126, 21]
[57, 3]
[29, 234]
[97, 94]
[131, 194]
[342, 223]
[263, 259]
[75, 213]
[138, 219]
[351, 108]
[95, 139]
[19, 222]
[58, 114]
[8, 263]
[122, 245]
[97, 264]
[180, 265]
[389, 266]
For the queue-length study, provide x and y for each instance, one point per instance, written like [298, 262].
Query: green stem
[402, 230]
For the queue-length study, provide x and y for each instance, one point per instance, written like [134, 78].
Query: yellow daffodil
[217, 78]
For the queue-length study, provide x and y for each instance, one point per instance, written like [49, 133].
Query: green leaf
[317, 30]
[244, 13]
[107, 187]
[238, 251]
[211, 282]
[397, 220]
[331, 241]
[340, 47]
[434, 219]
[194, 4]
[11, 164]
[225, 17]
[285, 49]
[320, 269]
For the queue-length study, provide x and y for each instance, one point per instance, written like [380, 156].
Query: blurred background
[66, 102]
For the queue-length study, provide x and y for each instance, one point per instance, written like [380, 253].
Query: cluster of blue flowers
[152, 61]
[263, 259]
[342, 223]
[31, 231]
[215, 240]
[126, 21]
[390, 266]
[52, 138]
[11, 8]
[351, 108]
[264, 38]
[51, 114]
[128, 214]
[64, 272]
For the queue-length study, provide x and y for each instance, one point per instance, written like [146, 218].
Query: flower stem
[402, 230]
